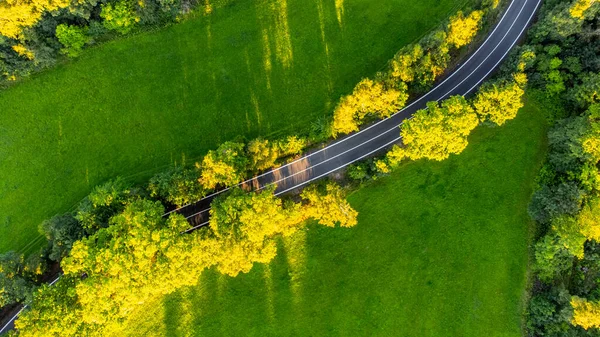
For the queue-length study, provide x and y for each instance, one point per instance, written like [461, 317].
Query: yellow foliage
[262, 154]
[589, 220]
[329, 206]
[382, 167]
[586, 314]
[23, 51]
[395, 155]
[499, 102]
[15, 15]
[579, 7]
[462, 30]
[368, 98]
[439, 130]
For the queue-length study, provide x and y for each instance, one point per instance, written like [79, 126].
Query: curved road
[384, 133]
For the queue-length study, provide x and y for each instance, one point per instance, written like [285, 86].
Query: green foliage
[119, 16]
[498, 101]
[553, 201]
[588, 92]
[73, 39]
[17, 279]
[551, 258]
[61, 231]
[102, 203]
[178, 186]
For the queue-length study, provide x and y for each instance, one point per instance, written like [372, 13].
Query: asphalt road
[383, 134]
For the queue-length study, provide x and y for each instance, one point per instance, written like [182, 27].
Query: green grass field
[134, 106]
[441, 249]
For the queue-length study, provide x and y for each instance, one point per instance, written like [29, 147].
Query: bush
[61, 231]
[177, 186]
[552, 201]
[119, 17]
[73, 39]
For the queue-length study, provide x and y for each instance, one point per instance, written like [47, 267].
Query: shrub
[73, 39]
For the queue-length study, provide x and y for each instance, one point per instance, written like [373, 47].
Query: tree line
[564, 76]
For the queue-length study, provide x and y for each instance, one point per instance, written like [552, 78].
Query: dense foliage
[412, 70]
[141, 254]
[562, 66]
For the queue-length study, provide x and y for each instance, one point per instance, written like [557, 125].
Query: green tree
[17, 281]
[102, 203]
[551, 258]
[119, 16]
[61, 231]
[177, 186]
[73, 39]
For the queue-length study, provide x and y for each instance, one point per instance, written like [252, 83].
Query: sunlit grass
[441, 249]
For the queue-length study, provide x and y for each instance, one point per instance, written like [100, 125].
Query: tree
[226, 166]
[569, 234]
[326, 204]
[553, 201]
[498, 101]
[73, 39]
[551, 258]
[61, 231]
[369, 98]
[586, 313]
[461, 29]
[579, 7]
[589, 219]
[439, 130]
[177, 186]
[292, 145]
[17, 281]
[404, 63]
[119, 17]
[262, 154]
[588, 92]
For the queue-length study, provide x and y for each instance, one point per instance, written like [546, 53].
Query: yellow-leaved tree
[369, 98]
[462, 30]
[579, 7]
[586, 313]
[499, 101]
[224, 166]
[439, 130]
